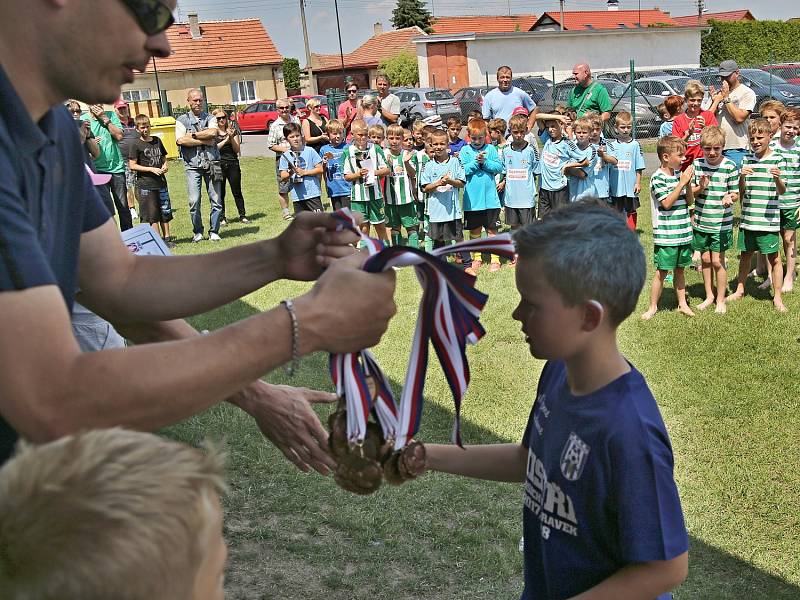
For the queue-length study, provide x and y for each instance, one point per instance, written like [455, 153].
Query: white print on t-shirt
[550, 159]
[547, 501]
[573, 457]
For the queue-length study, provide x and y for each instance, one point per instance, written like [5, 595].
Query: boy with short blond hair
[112, 514]
[581, 179]
[605, 159]
[715, 188]
[689, 124]
[377, 134]
[521, 166]
[595, 459]
[417, 134]
[760, 187]
[626, 173]
[558, 155]
[787, 145]
[338, 188]
[670, 195]
[401, 210]
[772, 111]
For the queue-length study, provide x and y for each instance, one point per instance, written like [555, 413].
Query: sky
[281, 18]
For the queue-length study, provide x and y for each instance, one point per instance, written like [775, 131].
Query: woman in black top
[229, 149]
[313, 127]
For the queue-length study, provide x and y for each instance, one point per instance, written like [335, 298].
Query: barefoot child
[602, 516]
[760, 188]
[670, 194]
[715, 188]
[790, 201]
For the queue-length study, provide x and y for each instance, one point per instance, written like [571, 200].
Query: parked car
[425, 102]
[658, 89]
[301, 99]
[534, 86]
[257, 116]
[469, 99]
[647, 118]
[765, 85]
[789, 72]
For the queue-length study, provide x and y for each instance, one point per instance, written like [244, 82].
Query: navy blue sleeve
[649, 517]
[543, 383]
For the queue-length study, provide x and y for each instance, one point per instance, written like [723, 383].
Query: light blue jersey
[443, 205]
[307, 186]
[555, 155]
[521, 167]
[602, 171]
[623, 175]
[334, 174]
[583, 189]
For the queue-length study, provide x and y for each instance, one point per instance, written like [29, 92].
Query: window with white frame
[243, 92]
[136, 95]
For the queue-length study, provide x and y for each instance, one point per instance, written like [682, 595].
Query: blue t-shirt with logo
[602, 171]
[334, 176]
[521, 168]
[555, 155]
[599, 490]
[623, 175]
[583, 189]
[443, 205]
[307, 186]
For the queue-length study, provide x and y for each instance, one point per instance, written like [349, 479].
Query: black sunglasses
[153, 16]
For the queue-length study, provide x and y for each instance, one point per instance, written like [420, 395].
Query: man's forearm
[640, 581]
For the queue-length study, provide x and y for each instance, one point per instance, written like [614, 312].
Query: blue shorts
[736, 155]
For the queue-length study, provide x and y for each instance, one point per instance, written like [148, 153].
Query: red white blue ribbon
[448, 317]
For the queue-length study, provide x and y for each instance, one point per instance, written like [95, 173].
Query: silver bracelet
[295, 362]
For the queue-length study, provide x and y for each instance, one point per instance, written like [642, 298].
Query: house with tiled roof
[361, 65]
[482, 23]
[234, 62]
[603, 19]
[731, 15]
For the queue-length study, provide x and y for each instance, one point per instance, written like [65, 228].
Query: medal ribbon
[448, 317]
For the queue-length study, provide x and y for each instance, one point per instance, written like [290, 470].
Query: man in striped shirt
[716, 188]
[790, 201]
[760, 186]
[363, 163]
[670, 193]
[400, 207]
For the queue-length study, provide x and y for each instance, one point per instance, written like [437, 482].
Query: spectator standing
[369, 110]
[196, 135]
[350, 109]
[388, 104]
[129, 135]
[588, 95]
[500, 102]
[229, 150]
[91, 149]
[313, 126]
[276, 141]
[107, 130]
[732, 104]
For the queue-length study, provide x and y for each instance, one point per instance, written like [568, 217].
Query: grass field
[727, 386]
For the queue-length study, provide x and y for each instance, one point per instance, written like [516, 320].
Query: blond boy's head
[712, 135]
[623, 118]
[694, 89]
[518, 123]
[111, 514]
[668, 145]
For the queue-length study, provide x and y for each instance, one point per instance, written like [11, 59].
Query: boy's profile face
[518, 134]
[673, 160]
[477, 139]
[143, 129]
[210, 576]
[395, 142]
[773, 118]
[554, 130]
[335, 137]
[550, 327]
[582, 135]
[693, 105]
[454, 131]
[496, 135]
[360, 138]
[789, 130]
[623, 129]
[759, 142]
[295, 140]
[712, 153]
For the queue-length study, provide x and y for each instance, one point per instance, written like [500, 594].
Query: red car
[790, 72]
[257, 116]
[302, 111]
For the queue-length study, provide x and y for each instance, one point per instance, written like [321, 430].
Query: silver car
[425, 102]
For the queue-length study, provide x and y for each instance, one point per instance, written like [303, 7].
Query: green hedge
[751, 42]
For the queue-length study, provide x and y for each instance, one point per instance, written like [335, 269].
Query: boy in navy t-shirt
[601, 508]
[331, 153]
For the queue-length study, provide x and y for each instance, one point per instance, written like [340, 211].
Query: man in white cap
[732, 104]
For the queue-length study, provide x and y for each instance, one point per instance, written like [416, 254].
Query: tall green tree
[291, 73]
[409, 13]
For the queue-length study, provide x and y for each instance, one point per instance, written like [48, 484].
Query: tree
[401, 69]
[291, 73]
[409, 13]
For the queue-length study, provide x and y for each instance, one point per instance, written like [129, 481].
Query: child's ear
[593, 313]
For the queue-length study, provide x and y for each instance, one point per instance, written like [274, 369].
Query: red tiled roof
[371, 52]
[222, 44]
[608, 19]
[731, 15]
[483, 24]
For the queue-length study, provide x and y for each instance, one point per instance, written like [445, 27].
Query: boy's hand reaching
[775, 172]
[746, 171]
[637, 187]
[728, 200]
[363, 173]
[704, 181]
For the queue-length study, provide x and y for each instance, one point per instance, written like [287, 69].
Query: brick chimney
[613, 5]
[194, 26]
[377, 29]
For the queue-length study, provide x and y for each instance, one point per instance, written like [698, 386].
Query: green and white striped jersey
[351, 161]
[791, 175]
[418, 161]
[671, 226]
[399, 183]
[709, 214]
[760, 204]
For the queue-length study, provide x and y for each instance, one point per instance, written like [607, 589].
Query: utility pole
[309, 70]
[339, 31]
[561, 2]
[700, 9]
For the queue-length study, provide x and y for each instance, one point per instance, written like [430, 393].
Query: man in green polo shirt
[588, 95]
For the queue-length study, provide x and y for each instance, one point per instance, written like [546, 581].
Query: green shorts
[714, 242]
[372, 210]
[766, 242]
[789, 219]
[668, 258]
[402, 214]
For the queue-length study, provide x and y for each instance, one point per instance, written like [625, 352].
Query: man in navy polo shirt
[58, 244]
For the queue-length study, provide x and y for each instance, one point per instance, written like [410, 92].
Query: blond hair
[313, 103]
[669, 144]
[758, 126]
[712, 135]
[518, 122]
[418, 125]
[141, 119]
[105, 514]
[359, 125]
[623, 117]
[582, 123]
[694, 88]
[376, 129]
[334, 126]
[497, 124]
[775, 106]
[395, 129]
